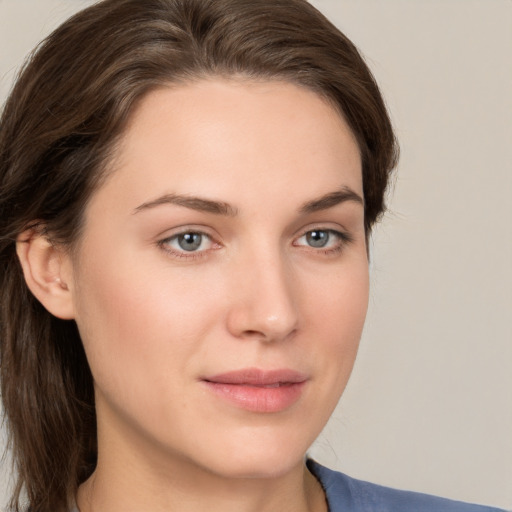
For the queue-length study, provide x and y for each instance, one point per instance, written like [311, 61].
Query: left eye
[320, 238]
[190, 241]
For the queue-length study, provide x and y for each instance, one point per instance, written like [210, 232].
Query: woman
[188, 187]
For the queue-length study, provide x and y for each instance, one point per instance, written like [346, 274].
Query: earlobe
[46, 268]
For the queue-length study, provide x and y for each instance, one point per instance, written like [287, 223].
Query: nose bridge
[263, 303]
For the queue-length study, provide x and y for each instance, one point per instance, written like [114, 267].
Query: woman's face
[221, 282]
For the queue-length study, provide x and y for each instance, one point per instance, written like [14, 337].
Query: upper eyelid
[214, 236]
[173, 236]
[180, 230]
[337, 232]
[323, 226]
[203, 230]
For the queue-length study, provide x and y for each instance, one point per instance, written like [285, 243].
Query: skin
[156, 319]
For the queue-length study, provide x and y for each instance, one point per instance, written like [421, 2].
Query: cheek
[341, 299]
[137, 324]
[338, 311]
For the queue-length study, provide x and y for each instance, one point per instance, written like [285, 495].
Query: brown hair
[58, 127]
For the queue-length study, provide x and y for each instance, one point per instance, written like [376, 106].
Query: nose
[262, 302]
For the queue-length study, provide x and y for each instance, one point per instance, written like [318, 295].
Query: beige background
[429, 406]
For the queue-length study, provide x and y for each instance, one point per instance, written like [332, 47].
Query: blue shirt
[346, 494]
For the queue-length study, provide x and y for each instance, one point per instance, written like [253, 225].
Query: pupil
[190, 241]
[317, 238]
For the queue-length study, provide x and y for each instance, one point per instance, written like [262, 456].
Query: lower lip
[256, 398]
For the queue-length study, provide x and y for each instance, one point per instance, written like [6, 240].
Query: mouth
[263, 391]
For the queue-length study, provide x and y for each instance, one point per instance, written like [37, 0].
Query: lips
[252, 389]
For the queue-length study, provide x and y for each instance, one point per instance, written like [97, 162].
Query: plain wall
[429, 405]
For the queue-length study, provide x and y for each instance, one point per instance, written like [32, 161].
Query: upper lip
[258, 377]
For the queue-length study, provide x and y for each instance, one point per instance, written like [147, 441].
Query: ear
[48, 272]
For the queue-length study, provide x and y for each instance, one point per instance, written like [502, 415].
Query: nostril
[253, 333]
[264, 308]
[268, 335]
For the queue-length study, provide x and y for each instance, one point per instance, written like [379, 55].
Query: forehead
[217, 137]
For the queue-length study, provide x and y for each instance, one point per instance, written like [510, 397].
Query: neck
[193, 490]
[130, 477]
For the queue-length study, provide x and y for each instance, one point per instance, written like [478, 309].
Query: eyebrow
[222, 208]
[194, 203]
[330, 200]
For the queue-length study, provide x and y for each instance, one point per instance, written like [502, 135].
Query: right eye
[187, 243]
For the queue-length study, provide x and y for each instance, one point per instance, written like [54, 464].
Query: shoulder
[351, 495]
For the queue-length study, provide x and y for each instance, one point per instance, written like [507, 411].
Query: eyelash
[189, 255]
[343, 240]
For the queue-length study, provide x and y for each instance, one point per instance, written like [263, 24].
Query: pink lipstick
[258, 390]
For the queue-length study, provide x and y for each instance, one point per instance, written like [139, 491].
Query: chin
[262, 457]
[274, 467]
